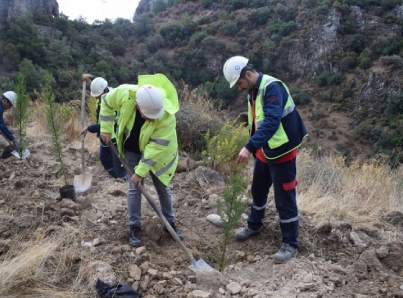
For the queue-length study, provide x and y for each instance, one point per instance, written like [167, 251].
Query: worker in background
[99, 89]
[8, 100]
[147, 139]
[276, 132]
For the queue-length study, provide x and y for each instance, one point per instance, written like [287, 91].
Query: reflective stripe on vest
[167, 167]
[106, 118]
[161, 142]
[149, 162]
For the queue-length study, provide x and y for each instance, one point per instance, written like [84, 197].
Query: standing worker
[276, 132]
[8, 100]
[99, 89]
[147, 139]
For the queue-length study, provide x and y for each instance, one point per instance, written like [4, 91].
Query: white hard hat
[11, 96]
[233, 67]
[98, 86]
[149, 100]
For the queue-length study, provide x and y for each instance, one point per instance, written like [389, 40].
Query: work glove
[16, 145]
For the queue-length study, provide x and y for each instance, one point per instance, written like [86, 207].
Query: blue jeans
[110, 161]
[134, 195]
[283, 178]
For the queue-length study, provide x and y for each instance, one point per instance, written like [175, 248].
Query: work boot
[135, 236]
[245, 233]
[285, 253]
[177, 231]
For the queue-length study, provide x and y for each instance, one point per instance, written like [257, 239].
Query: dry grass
[329, 190]
[197, 115]
[38, 127]
[45, 267]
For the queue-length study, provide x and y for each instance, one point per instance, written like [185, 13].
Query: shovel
[10, 150]
[82, 182]
[199, 265]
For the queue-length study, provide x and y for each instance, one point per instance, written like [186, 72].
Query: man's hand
[105, 137]
[86, 77]
[136, 179]
[243, 156]
[84, 131]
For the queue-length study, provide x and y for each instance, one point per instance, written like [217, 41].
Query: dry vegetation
[48, 263]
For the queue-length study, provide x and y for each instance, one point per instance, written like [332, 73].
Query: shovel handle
[152, 203]
[82, 127]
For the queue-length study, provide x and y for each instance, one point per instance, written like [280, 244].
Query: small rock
[140, 250]
[234, 288]
[214, 219]
[199, 294]
[308, 278]
[95, 242]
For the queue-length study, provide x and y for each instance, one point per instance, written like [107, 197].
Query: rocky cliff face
[13, 8]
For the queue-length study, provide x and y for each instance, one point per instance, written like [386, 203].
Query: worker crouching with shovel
[146, 139]
[8, 100]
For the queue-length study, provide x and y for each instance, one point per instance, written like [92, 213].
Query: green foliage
[259, 17]
[281, 29]
[223, 147]
[159, 6]
[230, 208]
[347, 63]
[395, 62]
[329, 78]
[364, 60]
[301, 98]
[55, 123]
[25, 37]
[206, 3]
[321, 10]
[224, 93]
[34, 76]
[21, 112]
[394, 104]
[178, 32]
[214, 44]
[229, 29]
[356, 43]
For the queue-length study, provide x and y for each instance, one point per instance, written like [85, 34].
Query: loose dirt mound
[338, 259]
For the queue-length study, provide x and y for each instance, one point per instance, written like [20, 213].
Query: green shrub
[224, 146]
[356, 43]
[394, 104]
[229, 28]
[301, 98]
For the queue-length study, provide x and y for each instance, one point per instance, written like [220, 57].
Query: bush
[356, 43]
[395, 62]
[195, 118]
[224, 146]
[394, 104]
[229, 28]
[301, 98]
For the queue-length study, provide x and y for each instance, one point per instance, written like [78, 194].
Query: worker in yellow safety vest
[146, 138]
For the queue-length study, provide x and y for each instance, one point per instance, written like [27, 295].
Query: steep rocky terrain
[337, 259]
[13, 8]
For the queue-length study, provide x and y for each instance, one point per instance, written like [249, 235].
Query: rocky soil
[338, 259]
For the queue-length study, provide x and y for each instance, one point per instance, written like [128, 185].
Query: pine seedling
[55, 122]
[230, 208]
[21, 113]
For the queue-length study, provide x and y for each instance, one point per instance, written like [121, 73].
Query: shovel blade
[25, 154]
[82, 182]
[200, 265]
